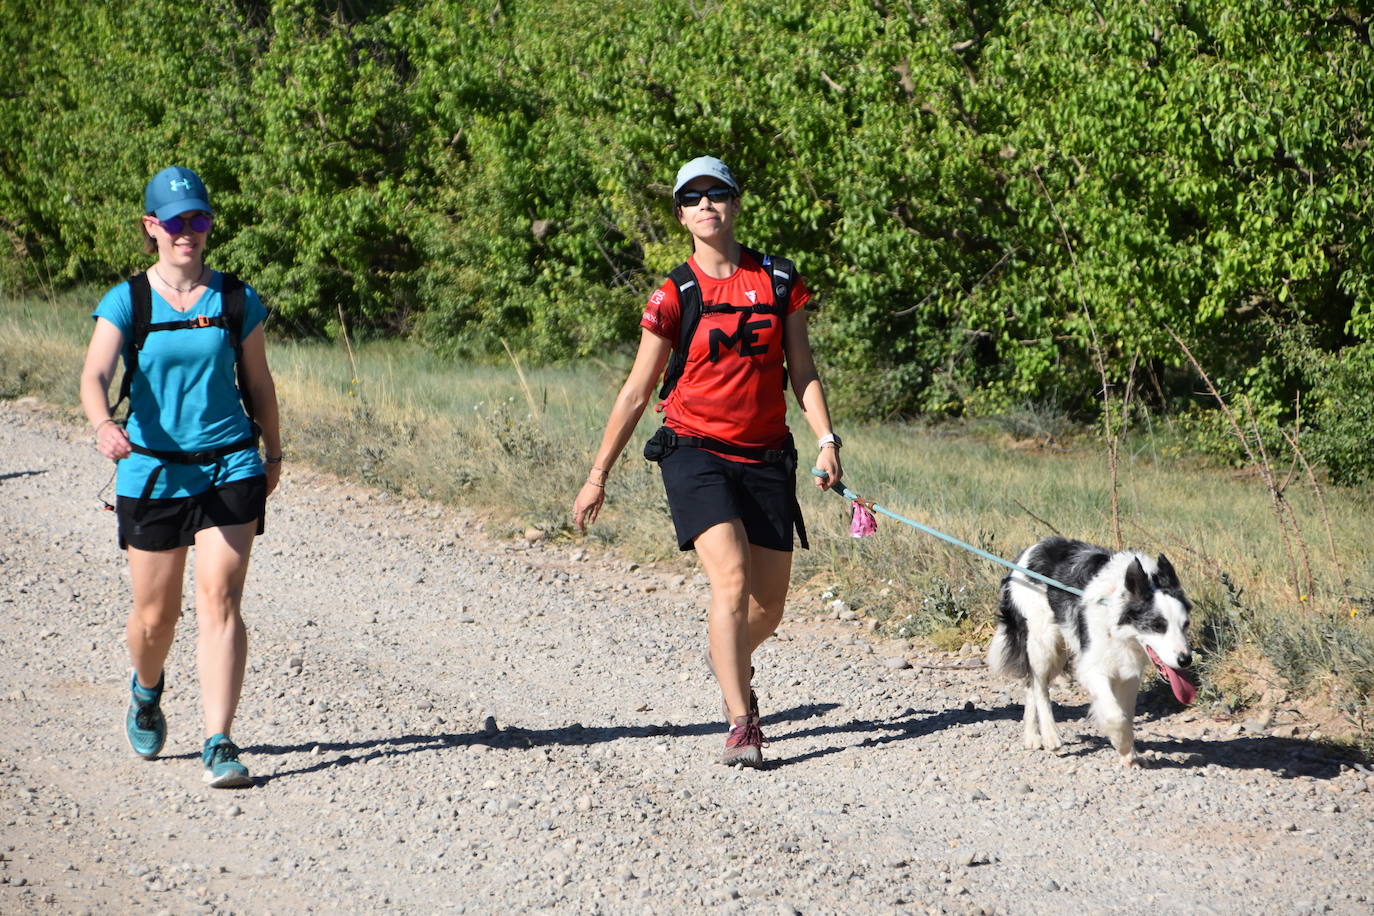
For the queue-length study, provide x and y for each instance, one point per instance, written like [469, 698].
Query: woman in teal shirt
[189, 470]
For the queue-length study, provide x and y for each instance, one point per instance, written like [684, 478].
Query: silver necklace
[180, 289]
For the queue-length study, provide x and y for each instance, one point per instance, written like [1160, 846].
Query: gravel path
[439, 721]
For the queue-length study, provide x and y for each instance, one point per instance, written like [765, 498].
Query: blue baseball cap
[174, 191]
[704, 167]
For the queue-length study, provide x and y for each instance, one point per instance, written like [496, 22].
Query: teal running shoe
[144, 724]
[223, 770]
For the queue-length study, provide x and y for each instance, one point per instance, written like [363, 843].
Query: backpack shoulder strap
[141, 299]
[232, 306]
[782, 275]
[690, 306]
[141, 304]
[232, 298]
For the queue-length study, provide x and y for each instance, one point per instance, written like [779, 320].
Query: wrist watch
[830, 439]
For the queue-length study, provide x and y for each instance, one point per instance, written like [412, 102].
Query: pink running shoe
[744, 745]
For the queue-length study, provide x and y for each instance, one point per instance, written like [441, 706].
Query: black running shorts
[705, 489]
[163, 524]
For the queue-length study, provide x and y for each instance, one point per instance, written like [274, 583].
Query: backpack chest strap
[200, 321]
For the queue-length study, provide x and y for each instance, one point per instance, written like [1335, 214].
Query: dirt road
[440, 721]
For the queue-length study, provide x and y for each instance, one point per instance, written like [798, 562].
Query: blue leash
[844, 492]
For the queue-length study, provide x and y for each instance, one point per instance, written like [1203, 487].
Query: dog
[1133, 610]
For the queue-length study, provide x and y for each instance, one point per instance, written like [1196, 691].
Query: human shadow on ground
[910, 724]
[13, 474]
[366, 750]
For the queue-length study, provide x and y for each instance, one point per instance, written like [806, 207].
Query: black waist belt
[205, 457]
[208, 456]
[766, 455]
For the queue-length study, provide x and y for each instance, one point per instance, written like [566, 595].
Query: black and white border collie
[1132, 611]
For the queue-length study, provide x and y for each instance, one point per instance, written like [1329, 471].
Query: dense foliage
[982, 193]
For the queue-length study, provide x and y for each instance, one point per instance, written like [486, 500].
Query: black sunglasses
[198, 223]
[717, 195]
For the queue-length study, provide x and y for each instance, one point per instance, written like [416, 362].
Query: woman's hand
[588, 504]
[829, 461]
[112, 441]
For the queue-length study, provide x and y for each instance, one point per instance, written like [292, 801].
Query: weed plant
[517, 444]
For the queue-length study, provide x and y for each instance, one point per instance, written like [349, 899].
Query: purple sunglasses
[174, 226]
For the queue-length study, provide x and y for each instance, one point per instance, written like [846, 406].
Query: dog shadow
[1288, 758]
[350, 753]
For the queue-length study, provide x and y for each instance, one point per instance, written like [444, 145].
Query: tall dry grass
[516, 442]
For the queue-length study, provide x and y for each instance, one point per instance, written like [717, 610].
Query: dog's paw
[1032, 742]
[1131, 760]
[1051, 743]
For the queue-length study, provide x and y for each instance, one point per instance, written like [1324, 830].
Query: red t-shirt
[731, 388]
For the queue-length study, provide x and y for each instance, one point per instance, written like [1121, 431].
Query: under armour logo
[753, 296]
[180, 184]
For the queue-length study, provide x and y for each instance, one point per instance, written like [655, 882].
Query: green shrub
[1343, 392]
[981, 195]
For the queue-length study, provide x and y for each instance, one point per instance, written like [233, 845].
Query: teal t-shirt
[184, 396]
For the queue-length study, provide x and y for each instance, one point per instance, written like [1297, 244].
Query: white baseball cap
[704, 167]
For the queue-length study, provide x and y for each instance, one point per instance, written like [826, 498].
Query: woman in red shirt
[728, 463]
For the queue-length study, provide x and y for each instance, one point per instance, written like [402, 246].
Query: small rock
[1050, 885]
[896, 663]
[584, 803]
[534, 535]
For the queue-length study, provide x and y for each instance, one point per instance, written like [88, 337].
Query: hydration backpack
[780, 270]
[230, 318]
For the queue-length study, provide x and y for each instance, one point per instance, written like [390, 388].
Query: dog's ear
[1164, 573]
[1137, 582]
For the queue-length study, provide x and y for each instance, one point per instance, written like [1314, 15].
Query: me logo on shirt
[745, 340]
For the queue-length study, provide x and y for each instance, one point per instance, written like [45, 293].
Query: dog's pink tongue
[1183, 689]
